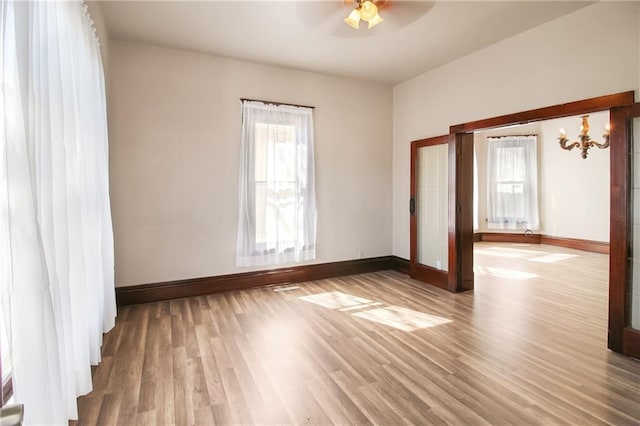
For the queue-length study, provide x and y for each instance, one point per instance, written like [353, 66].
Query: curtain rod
[510, 136]
[275, 103]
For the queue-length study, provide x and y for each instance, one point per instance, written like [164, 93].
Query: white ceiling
[415, 37]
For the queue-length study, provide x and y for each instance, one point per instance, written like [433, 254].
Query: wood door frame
[461, 276]
[621, 337]
[421, 272]
[619, 201]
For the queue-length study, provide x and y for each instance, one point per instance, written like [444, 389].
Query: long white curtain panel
[56, 246]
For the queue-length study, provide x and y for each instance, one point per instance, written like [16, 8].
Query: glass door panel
[432, 206]
[429, 226]
[633, 290]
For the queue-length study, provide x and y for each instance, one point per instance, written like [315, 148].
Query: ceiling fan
[399, 11]
[365, 10]
[395, 13]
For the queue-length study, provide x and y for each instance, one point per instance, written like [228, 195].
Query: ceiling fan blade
[401, 13]
[315, 13]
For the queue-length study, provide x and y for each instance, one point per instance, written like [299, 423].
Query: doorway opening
[460, 213]
[541, 226]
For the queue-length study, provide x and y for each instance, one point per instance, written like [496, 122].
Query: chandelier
[585, 140]
[365, 10]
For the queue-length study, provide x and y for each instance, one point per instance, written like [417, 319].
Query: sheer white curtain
[277, 211]
[512, 182]
[56, 281]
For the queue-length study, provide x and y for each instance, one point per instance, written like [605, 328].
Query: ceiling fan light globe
[353, 20]
[368, 10]
[375, 21]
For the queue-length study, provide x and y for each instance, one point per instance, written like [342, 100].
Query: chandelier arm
[563, 144]
[602, 145]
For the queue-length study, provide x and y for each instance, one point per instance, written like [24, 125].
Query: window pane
[505, 188]
[260, 152]
[4, 345]
[504, 164]
[518, 188]
[275, 186]
[260, 209]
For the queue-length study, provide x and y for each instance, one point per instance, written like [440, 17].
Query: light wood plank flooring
[528, 346]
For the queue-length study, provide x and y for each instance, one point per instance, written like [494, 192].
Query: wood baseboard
[631, 346]
[499, 237]
[586, 245]
[401, 265]
[574, 243]
[154, 292]
[145, 293]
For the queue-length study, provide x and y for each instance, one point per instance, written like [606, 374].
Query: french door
[441, 207]
[624, 265]
[429, 210]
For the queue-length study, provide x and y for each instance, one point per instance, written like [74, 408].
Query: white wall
[576, 190]
[174, 127]
[592, 52]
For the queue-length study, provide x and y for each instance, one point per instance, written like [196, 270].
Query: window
[277, 214]
[512, 179]
[6, 388]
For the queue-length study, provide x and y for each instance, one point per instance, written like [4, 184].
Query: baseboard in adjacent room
[586, 245]
[574, 243]
[503, 237]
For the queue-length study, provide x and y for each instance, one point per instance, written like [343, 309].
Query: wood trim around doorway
[618, 189]
[601, 103]
[621, 230]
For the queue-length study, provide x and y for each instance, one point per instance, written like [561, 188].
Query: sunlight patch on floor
[335, 300]
[365, 305]
[507, 253]
[285, 288]
[394, 316]
[479, 270]
[401, 318]
[510, 273]
[553, 258]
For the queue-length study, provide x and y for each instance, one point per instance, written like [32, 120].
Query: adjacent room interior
[333, 212]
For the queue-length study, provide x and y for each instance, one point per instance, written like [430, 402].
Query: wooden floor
[528, 346]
